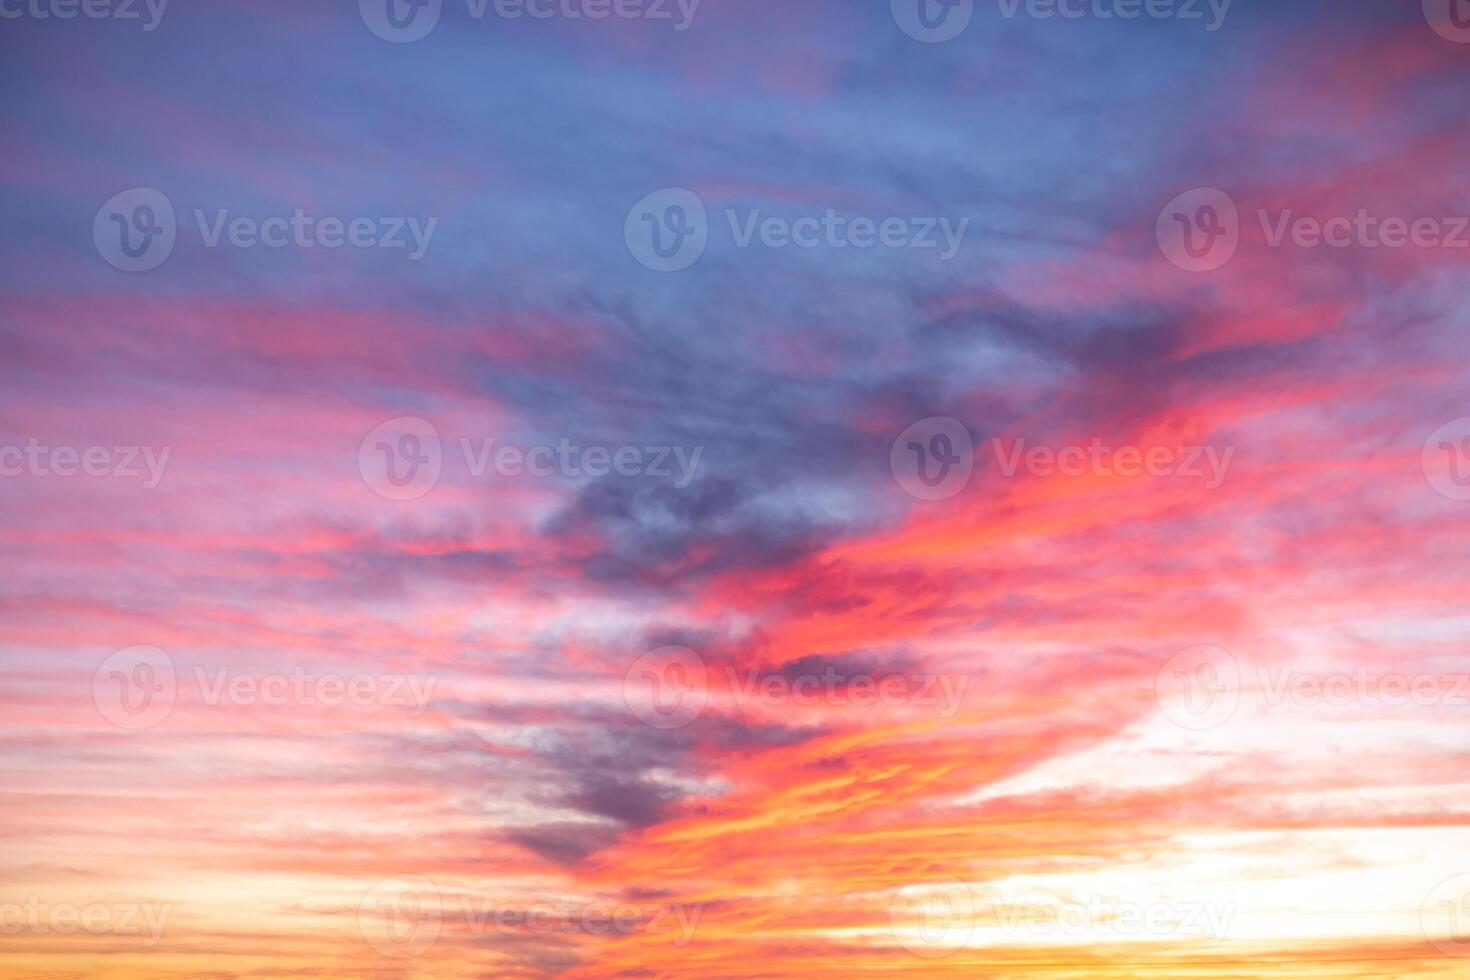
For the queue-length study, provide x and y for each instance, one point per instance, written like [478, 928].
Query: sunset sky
[734, 489]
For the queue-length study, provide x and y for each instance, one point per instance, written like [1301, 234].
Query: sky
[657, 489]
